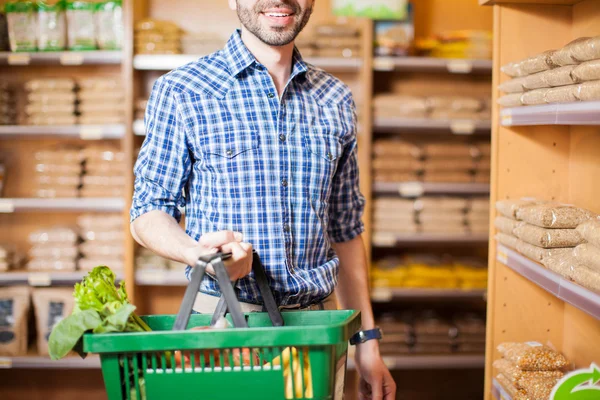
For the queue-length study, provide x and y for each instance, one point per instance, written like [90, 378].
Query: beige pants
[206, 304]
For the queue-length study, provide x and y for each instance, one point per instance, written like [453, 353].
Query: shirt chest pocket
[323, 151]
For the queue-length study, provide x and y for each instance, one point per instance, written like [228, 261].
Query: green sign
[578, 385]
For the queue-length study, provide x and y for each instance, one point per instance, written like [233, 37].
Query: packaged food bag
[14, 310]
[81, 27]
[51, 306]
[22, 25]
[52, 25]
[533, 356]
[109, 24]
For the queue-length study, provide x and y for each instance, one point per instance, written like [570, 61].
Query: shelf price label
[39, 279]
[459, 66]
[5, 362]
[506, 119]
[69, 58]
[502, 256]
[460, 127]
[383, 64]
[19, 59]
[7, 206]
[411, 189]
[91, 133]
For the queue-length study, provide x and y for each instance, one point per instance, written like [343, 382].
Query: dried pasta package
[507, 240]
[14, 310]
[561, 76]
[51, 306]
[506, 225]
[586, 277]
[588, 255]
[510, 100]
[515, 85]
[590, 231]
[563, 94]
[587, 71]
[509, 208]
[538, 388]
[548, 238]
[533, 356]
[564, 56]
[585, 50]
[537, 63]
[534, 97]
[588, 91]
[553, 215]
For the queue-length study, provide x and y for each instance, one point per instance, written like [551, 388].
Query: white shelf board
[498, 391]
[580, 113]
[61, 58]
[416, 189]
[167, 62]
[422, 125]
[86, 132]
[36, 278]
[158, 277]
[386, 295]
[513, 2]
[108, 204]
[430, 64]
[410, 239]
[429, 362]
[562, 288]
[39, 362]
[139, 128]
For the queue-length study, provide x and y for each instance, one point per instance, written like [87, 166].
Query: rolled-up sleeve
[163, 165]
[346, 201]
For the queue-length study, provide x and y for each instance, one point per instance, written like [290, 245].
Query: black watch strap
[363, 336]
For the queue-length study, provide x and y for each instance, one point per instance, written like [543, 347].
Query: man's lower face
[274, 22]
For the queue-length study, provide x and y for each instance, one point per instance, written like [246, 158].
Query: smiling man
[260, 149]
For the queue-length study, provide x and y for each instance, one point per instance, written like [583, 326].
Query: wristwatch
[362, 336]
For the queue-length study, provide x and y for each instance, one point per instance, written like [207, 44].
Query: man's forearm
[160, 232]
[353, 286]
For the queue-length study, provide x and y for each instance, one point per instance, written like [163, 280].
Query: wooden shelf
[86, 132]
[386, 295]
[61, 58]
[414, 239]
[430, 64]
[498, 391]
[167, 62]
[413, 362]
[108, 204]
[580, 113]
[417, 189]
[39, 362]
[457, 127]
[159, 277]
[509, 2]
[562, 288]
[44, 278]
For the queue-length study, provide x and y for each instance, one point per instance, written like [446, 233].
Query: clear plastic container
[109, 25]
[52, 25]
[22, 25]
[81, 31]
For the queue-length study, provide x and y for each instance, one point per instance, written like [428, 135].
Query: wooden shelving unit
[429, 362]
[61, 58]
[387, 295]
[550, 152]
[420, 64]
[84, 132]
[456, 127]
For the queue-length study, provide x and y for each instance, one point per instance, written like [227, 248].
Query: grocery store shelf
[386, 295]
[61, 58]
[167, 62]
[580, 113]
[44, 278]
[562, 288]
[414, 239]
[416, 189]
[86, 132]
[412, 362]
[498, 391]
[159, 277]
[430, 64]
[421, 125]
[138, 128]
[508, 2]
[38, 362]
[108, 204]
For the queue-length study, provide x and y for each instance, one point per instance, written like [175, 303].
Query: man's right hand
[240, 263]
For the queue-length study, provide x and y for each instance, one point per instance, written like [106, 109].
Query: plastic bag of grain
[590, 230]
[533, 356]
[534, 97]
[538, 388]
[14, 310]
[563, 94]
[561, 76]
[507, 385]
[562, 264]
[507, 240]
[538, 63]
[509, 208]
[585, 50]
[588, 255]
[586, 277]
[565, 55]
[506, 225]
[548, 238]
[51, 306]
[510, 100]
[588, 91]
[530, 251]
[515, 375]
[553, 215]
[587, 71]
[515, 85]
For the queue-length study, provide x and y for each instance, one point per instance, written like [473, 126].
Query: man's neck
[277, 59]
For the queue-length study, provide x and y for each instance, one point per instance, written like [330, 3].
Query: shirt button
[284, 182]
[287, 228]
[330, 156]
[271, 95]
[282, 138]
[229, 152]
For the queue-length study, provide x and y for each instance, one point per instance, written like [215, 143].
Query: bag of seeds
[564, 56]
[585, 50]
[534, 97]
[586, 277]
[562, 264]
[548, 238]
[51, 306]
[506, 225]
[515, 85]
[517, 376]
[509, 208]
[587, 71]
[554, 215]
[510, 100]
[14, 310]
[533, 356]
[563, 94]
[590, 231]
[507, 385]
[561, 76]
[538, 63]
[538, 388]
[507, 240]
[588, 255]
[588, 91]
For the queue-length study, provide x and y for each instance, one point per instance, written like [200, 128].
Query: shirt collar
[239, 57]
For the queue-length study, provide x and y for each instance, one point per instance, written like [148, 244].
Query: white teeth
[277, 15]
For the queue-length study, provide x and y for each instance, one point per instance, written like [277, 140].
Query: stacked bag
[8, 111]
[146, 260]
[569, 74]
[529, 371]
[53, 249]
[103, 241]
[563, 238]
[103, 172]
[101, 101]
[392, 105]
[157, 37]
[447, 162]
[331, 40]
[58, 173]
[51, 102]
[8, 258]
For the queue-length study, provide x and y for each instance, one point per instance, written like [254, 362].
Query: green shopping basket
[304, 359]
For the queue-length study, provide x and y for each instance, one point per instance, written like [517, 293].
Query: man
[260, 148]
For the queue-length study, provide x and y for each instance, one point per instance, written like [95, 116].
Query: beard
[274, 35]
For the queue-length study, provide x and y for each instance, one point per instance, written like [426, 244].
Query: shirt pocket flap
[327, 147]
[229, 144]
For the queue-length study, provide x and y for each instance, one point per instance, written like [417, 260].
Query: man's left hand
[376, 382]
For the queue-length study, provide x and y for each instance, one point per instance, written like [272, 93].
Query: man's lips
[279, 15]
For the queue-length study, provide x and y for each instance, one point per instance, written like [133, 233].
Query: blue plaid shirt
[281, 171]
